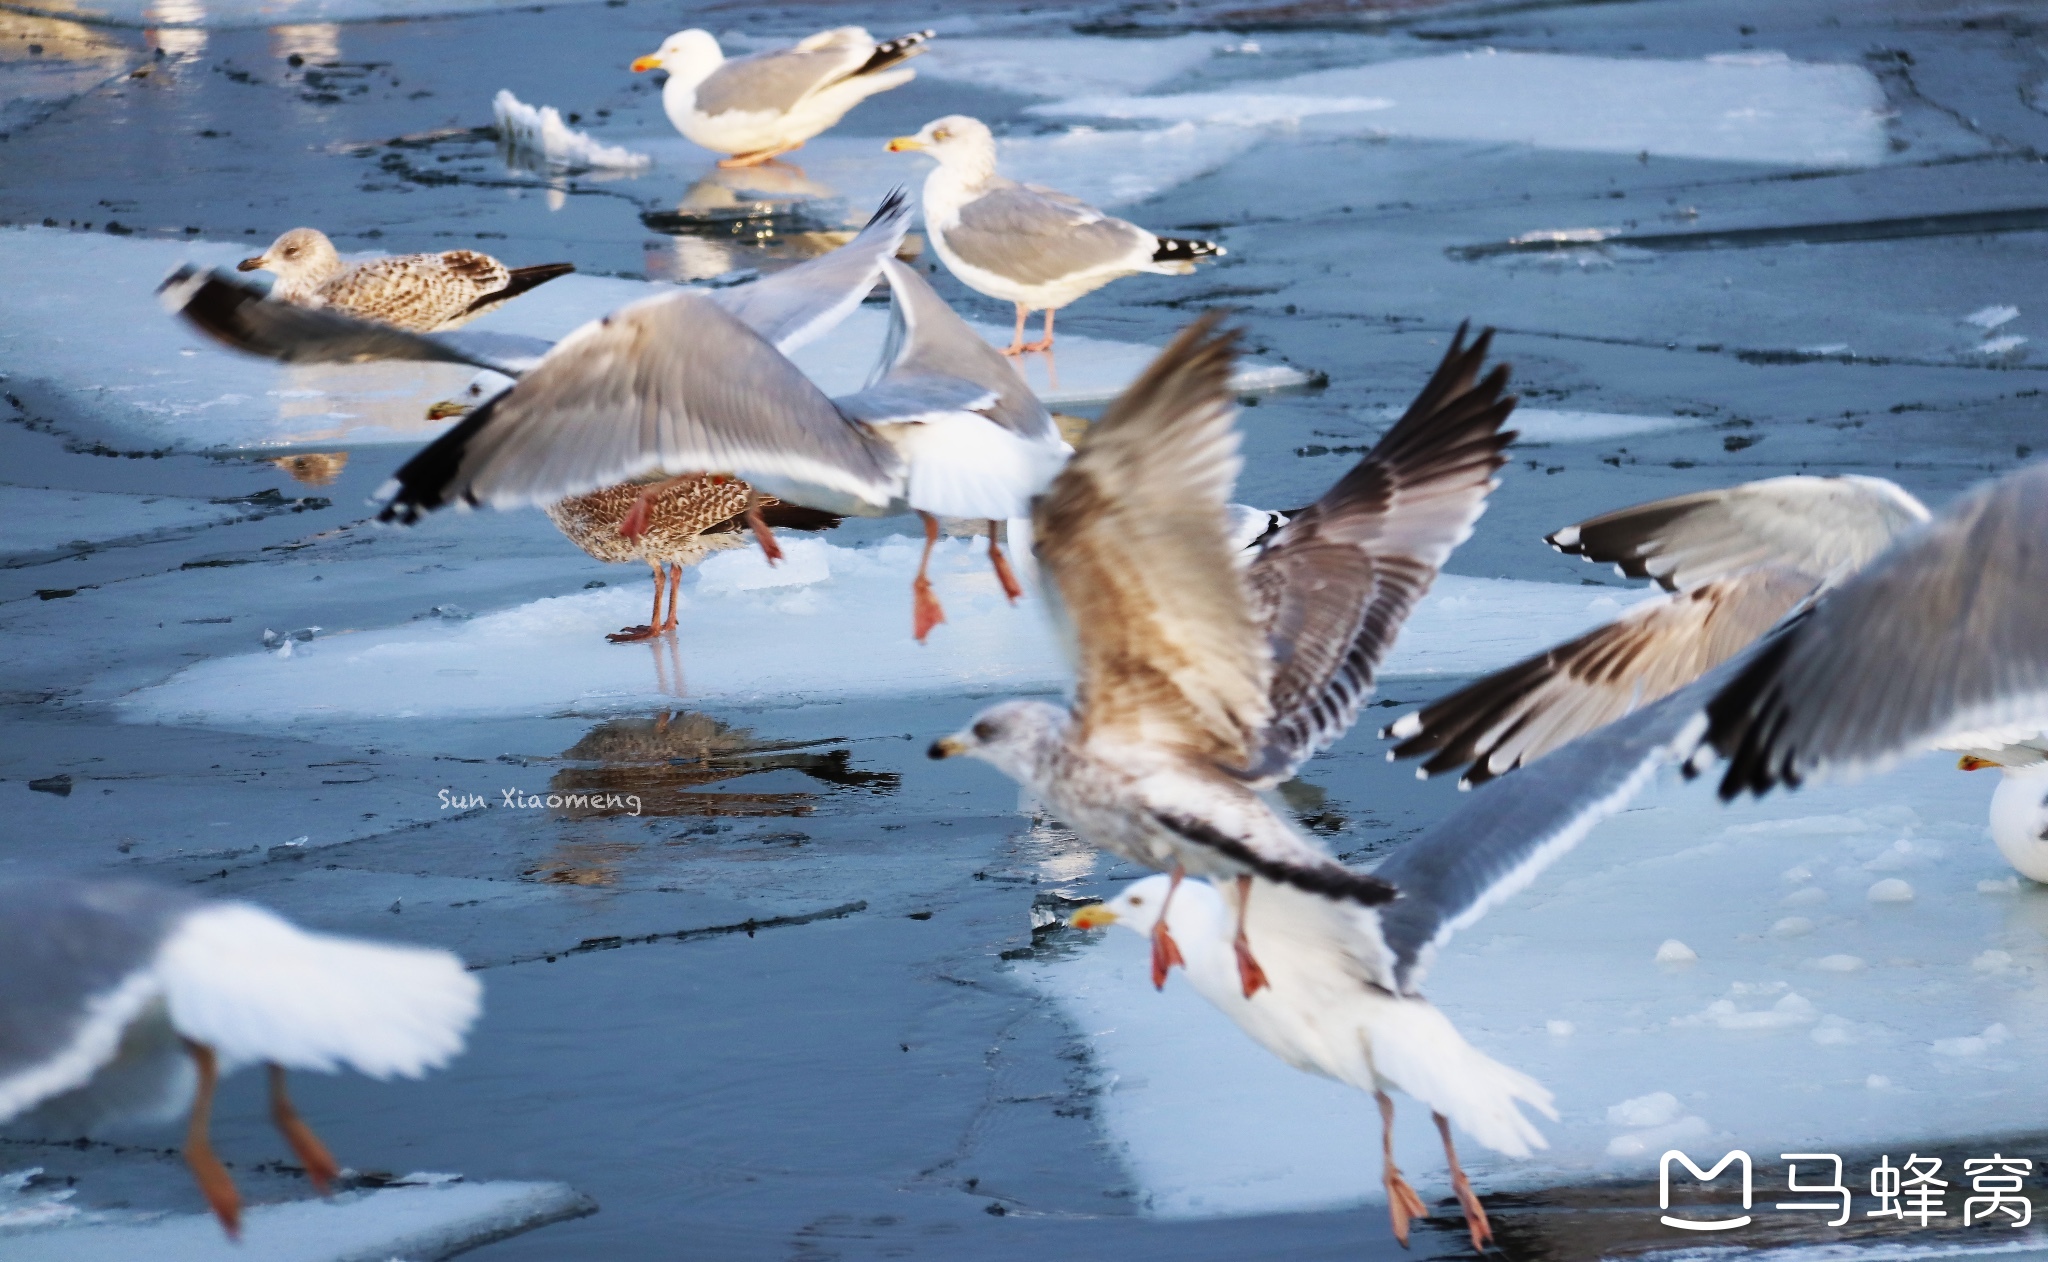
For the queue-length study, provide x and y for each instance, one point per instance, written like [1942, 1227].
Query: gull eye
[1137, 901]
[942, 134]
[290, 251]
[985, 731]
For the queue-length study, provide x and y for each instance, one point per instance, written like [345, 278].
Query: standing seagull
[1328, 1013]
[1033, 246]
[1735, 560]
[1199, 683]
[126, 1000]
[427, 293]
[758, 107]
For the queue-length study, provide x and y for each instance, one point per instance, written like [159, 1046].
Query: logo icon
[1704, 1176]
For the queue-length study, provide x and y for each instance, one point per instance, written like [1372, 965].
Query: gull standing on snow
[426, 293]
[1327, 1012]
[1199, 683]
[1735, 560]
[1033, 246]
[758, 107]
[121, 1000]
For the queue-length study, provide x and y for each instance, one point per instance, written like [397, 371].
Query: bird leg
[1011, 587]
[1165, 951]
[757, 157]
[1016, 346]
[1249, 974]
[630, 635]
[312, 1154]
[925, 612]
[762, 535]
[1402, 1202]
[1044, 343]
[675, 583]
[211, 1175]
[1475, 1213]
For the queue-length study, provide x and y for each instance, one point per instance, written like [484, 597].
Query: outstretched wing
[671, 384]
[1827, 526]
[797, 305]
[1518, 715]
[1132, 534]
[1332, 589]
[1946, 633]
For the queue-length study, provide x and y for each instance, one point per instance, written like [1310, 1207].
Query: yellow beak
[651, 61]
[1093, 916]
[904, 144]
[1970, 762]
[946, 747]
[446, 408]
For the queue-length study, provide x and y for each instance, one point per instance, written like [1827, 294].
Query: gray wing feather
[775, 81]
[1334, 586]
[929, 342]
[1945, 633]
[67, 943]
[910, 400]
[1032, 236]
[241, 317]
[1493, 846]
[801, 303]
[1827, 526]
[670, 384]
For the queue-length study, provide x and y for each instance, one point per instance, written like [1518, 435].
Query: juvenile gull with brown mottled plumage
[424, 293]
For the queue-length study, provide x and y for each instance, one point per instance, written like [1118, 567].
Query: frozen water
[540, 133]
[752, 635]
[45, 521]
[169, 15]
[175, 387]
[1762, 108]
[1540, 426]
[1067, 67]
[432, 1220]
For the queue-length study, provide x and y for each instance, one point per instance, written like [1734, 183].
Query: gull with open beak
[123, 1000]
[1200, 682]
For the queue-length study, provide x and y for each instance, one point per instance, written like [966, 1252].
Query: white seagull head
[1195, 905]
[303, 257]
[1019, 738]
[689, 55]
[957, 141]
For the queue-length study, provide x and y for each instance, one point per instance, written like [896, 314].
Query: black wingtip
[1183, 250]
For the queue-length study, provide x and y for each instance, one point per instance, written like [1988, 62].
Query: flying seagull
[1032, 246]
[1734, 561]
[758, 107]
[1327, 1013]
[127, 1000]
[1199, 683]
[1943, 640]
[427, 293]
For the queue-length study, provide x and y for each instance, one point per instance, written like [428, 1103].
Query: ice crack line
[613, 942]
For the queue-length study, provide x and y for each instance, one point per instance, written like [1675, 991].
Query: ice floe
[172, 386]
[1067, 67]
[427, 1219]
[1823, 1042]
[1763, 108]
[831, 622]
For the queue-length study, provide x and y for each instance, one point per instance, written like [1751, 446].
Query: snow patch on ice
[1067, 67]
[1838, 964]
[1538, 426]
[539, 133]
[1727, 1014]
[1891, 890]
[2001, 345]
[1974, 1044]
[1775, 111]
[831, 622]
[1990, 318]
[1672, 951]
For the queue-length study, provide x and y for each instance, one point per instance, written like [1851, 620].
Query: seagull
[1328, 1012]
[693, 518]
[122, 999]
[1035, 247]
[427, 293]
[1199, 684]
[1734, 561]
[758, 107]
[688, 383]
[2019, 806]
[1942, 640]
